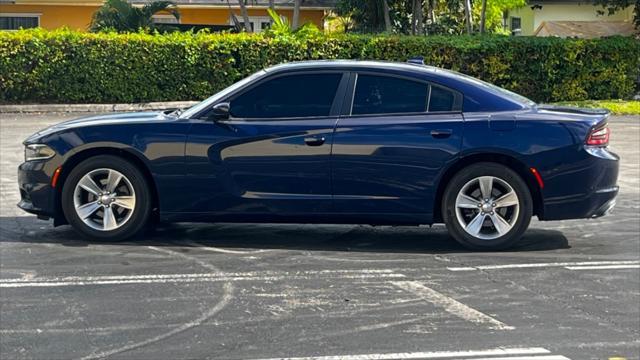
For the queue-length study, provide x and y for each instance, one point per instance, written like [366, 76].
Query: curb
[98, 108]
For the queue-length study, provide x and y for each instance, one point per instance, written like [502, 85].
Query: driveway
[569, 290]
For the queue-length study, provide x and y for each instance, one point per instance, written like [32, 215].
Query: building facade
[77, 14]
[529, 18]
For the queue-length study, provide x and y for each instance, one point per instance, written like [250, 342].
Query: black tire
[140, 213]
[466, 175]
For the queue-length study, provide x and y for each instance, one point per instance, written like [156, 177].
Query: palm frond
[157, 6]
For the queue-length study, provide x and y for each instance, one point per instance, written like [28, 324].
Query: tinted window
[387, 95]
[288, 96]
[441, 99]
[18, 22]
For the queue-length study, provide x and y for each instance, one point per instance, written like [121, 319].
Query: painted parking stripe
[604, 267]
[543, 265]
[450, 305]
[197, 277]
[543, 357]
[427, 355]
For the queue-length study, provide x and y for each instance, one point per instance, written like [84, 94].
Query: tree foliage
[120, 16]
[73, 67]
[613, 6]
[440, 16]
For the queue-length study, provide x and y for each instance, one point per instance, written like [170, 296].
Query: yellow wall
[221, 16]
[79, 17]
[55, 16]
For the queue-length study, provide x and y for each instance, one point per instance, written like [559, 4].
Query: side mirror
[220, 111]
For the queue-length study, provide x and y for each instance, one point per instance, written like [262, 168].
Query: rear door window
[375, 94]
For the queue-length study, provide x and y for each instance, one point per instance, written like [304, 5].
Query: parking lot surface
[568, 290]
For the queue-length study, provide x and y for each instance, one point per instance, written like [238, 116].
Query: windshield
[219, 95]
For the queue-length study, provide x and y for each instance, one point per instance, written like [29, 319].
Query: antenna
[417, 60]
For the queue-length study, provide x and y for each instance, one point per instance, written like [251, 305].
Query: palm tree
[121, 16]
[483, 16]
[245, 16]
[467, 15]
[296, 14]
[387, 17]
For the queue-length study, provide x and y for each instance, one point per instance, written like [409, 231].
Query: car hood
[94, 120]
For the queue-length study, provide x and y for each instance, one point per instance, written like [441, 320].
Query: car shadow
[310, 237]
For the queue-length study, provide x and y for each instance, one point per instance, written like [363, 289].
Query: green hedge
[71, 67]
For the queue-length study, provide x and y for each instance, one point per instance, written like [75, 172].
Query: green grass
[617, 107]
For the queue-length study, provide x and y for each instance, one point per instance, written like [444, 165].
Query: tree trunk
[296, 14]
[387, 17]
[272, 6]
[419, 25]
[483, 16]
[413, 17]
[467, 15]
[245, 15]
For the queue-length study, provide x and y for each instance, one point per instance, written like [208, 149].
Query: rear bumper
[597, 204]
[587, 189]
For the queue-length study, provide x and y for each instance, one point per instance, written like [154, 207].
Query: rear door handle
[441, 133]
[314, 140]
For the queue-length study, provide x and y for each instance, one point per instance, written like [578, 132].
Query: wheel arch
[504, 159]
[72, 161]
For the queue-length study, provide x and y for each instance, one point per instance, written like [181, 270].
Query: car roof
[361, 64]
[470, 87]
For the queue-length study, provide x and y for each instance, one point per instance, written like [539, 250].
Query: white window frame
[255, 20]
[171, 19]
[31, 15]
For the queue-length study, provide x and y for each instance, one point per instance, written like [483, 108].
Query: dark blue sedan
[329, 142]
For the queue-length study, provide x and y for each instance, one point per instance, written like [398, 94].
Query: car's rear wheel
[487, 206]
[106, 198]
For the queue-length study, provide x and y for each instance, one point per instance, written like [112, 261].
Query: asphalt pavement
[568, 290]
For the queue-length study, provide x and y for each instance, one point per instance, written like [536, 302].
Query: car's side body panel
[367, 169]
[259, 167]
[154, 139]
[390, 164]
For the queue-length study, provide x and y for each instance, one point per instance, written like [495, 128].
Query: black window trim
[35, 15]
[459, 98]
[335, 105]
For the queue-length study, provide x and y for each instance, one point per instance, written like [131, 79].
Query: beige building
[536, 15]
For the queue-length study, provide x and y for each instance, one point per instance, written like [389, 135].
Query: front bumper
[37, 196]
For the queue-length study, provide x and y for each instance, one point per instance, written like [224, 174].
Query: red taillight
[599, 136]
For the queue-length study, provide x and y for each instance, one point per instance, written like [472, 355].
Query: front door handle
[314, 140]
[441, 133]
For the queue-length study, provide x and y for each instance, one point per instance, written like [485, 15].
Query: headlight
[38, 152]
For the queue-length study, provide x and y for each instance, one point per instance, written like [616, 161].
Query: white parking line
[604, 267]
[433, 355]
[197, 277]
[543, 265]
[450, 305]
[543, 357]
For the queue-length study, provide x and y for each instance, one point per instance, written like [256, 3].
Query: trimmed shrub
[73, 67]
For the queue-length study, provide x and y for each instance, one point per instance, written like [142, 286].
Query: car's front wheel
[106, 198]
[487, 206]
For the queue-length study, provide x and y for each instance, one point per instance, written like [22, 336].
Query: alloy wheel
[487, 207]
[104, 199]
